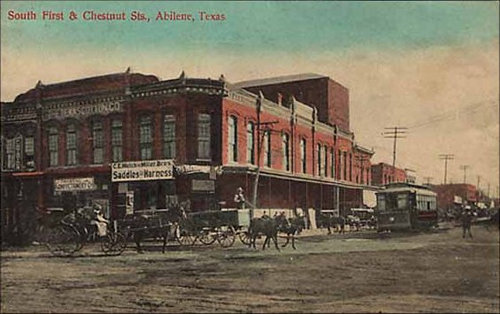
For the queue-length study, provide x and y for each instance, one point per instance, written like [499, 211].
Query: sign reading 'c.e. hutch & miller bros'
[142, 170]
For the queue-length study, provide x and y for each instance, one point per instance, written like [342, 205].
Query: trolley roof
[404, 187]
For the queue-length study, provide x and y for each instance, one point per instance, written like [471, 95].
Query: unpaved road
[438, 272]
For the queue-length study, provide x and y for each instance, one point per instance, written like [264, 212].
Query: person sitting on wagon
[99, 221]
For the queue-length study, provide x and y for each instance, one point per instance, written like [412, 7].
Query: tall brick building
[383, 174]
[131, 141]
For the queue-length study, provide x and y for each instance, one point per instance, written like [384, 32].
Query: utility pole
[478, 180]
[394, 133]
[446, 157]
[464, 168]
[428, 179]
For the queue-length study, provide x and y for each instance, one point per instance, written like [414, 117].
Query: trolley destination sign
[142, 170]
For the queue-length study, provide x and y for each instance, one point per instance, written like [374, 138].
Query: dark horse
[331, 221]
[157, 226]
[266, 226]
[290, 226]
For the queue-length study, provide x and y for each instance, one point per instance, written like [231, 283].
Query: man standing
[239, 198]
[466, 222]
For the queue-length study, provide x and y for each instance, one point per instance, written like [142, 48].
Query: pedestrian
[466, 222]
[239, 198]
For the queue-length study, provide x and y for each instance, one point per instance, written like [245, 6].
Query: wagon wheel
[63, 241]
[226, 236]
[114, 243]
[184, 236]
[206, 236]
[244, 237]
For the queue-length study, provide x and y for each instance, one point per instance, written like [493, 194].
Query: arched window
[169, 136]
[320, 164]
[71, 145]
[145, 138]
[267, 148]
[250, 143]
[97, 142]
[332, 161]
[53, 146]
[233, 139]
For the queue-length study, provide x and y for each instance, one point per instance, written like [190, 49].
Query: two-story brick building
[128, 136]
[383, 174]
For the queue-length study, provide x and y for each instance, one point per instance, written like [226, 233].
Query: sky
[430, 66]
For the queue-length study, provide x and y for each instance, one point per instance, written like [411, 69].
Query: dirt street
[359, 272]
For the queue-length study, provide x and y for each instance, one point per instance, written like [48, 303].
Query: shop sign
[142, 170]
[457, 199]
[187, 169]
[57, 111]
[74, 184]
[203, 185]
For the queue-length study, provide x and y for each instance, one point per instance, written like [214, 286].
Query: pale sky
[431, 67]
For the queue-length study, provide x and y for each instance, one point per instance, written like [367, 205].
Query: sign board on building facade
[63, 111]
[203, 185]
[142, 170]
[74, 184]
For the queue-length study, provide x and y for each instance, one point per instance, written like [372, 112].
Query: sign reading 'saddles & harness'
[142, 170]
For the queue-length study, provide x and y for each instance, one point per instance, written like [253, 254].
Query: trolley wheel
[114, 243]
[226, 236]
[206, 237]
[63, 241]
[244, 237]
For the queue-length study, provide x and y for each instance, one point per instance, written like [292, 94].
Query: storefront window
[250, 143]
[53, 146]
[233, 139]
[71, 145]
[116, 140]
[286, 152]
[97, 142]
[145, 138]
[169, 136]
[204, 127]
[303, 156]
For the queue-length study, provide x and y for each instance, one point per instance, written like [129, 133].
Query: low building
[383, 174]
[452, 195]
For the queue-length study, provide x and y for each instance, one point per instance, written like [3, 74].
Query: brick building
[383, 174]
[451, 195]
[131, 141]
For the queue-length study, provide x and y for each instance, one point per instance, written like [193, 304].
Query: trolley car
[403, 206]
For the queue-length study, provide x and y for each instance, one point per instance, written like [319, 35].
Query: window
[233, 139]
[29, 152]
[169, 136]
[250, 143]
[71, 145]
[325, 160]
[116, 140]
[344, 164]
[303, 151]
[9, 153]
[339, 174]
[267, 148]
[332, 161]
[381, 202]
[204, 121]
[350, 167]
[145, 138]
[286, 152]
[97, 142]
[320, 164]
[402, 201]
[53, 146]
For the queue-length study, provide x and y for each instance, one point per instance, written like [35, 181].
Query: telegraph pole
[394, 133]
[478, 180]
[464, 168]
[446, 157]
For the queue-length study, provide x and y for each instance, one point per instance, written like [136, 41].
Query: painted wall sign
[74, 184]
[142, 170]
[76, 111]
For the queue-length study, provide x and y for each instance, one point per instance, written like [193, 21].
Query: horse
[139, 226]
[266, 226]
[290, 226]
[331, 221]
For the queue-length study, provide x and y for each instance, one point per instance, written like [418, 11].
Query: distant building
[383, 174]
[451, 195]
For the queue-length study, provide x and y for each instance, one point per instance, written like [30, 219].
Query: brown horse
[291, 227]
[266, 226]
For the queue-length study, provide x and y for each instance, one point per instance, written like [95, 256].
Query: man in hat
[466, 222]
[239, 198]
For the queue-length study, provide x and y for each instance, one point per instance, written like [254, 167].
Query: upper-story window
[251, 143]
[71, 145]
[319, 149]
[332, 161]
[97, 142]
[204, 139]
[116, 140]
[145, 138]
[350, 167]
[325, 160]
[303, 156]
[344, 164]
[232, 148]
[286, 151]
[53, 146]
[267, 148]
[169, 136]
[339, 174]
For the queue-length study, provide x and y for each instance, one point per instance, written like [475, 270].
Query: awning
[28, 174]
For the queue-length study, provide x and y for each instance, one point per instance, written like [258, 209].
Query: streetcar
[404, 206]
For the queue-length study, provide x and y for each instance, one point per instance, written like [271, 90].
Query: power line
[394, 133]
[446, 157]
